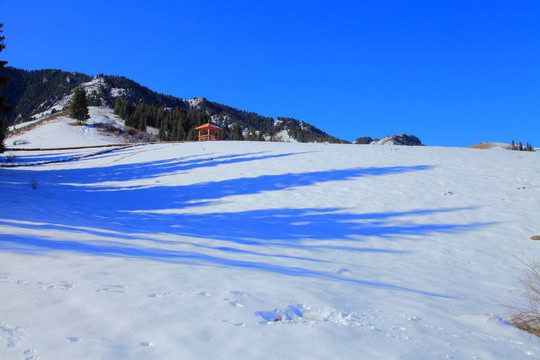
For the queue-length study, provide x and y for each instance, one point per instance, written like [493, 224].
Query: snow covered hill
[43, 92]
[399, 139]
[254, 250]
[55, 131]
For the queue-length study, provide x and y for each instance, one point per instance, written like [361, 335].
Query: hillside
[45, 91]
[58, 130]
[259, 250]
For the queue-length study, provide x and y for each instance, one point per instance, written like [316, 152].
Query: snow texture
[399, 139]
[254, 250]
[116, 92]
[194, 102]
[61, 132]
[284, 136]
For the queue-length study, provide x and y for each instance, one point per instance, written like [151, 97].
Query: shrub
[526, 316]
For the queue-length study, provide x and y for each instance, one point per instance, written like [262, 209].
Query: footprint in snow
[236, 303]
[158, 294]
[59, 285]
[146, 343]
[340, 271]
[30, 354]
[15, 334]
[112, 288]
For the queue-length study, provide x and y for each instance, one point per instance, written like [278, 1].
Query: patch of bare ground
[128, 134]
[484, 145]
[25, 129]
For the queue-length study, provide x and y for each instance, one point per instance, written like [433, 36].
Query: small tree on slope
[4, 109]
[79, 106]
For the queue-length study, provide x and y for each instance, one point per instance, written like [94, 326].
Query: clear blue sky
[453, 73]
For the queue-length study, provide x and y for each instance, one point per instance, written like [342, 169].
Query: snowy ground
[228, 250]
[58, 132]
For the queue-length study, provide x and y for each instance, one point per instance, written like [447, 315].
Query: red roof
[208, 126]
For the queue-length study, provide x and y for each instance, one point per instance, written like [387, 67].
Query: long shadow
[154, 169]
[67, 200]
[132, 209]
[139, 198]
[185, 257]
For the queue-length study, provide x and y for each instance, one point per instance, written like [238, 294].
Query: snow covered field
[248, 250]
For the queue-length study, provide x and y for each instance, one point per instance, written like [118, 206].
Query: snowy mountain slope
[399, 139]
[267, 250]
[283, 136]
[58, 131]
[39, 93]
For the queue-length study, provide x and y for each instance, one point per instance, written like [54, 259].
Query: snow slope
[58, 132]
[284, 136]
[229, 250]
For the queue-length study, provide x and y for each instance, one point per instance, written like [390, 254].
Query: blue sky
[453, 73]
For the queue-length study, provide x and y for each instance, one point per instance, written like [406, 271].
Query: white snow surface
[116, 92]
[250, 250]
[284, 136]
[58, 132]
[388, 140]
[194, 102]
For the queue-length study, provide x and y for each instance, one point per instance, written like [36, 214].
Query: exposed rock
[399, 139]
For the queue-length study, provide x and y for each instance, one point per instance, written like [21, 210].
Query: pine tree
[236, 132]
[79, 106]
[224, 134]
[3, 107]
[193, 135]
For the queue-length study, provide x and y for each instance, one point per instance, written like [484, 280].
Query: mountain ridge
[47, 91]
[37, 91]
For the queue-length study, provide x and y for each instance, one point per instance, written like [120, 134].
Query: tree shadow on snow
[69, 213]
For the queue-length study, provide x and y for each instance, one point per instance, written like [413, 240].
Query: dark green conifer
[79, 106]
[236, 132]
[3, 107]
[193, 135]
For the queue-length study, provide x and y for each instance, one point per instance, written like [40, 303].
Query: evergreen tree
[79, 106]
[142, 124]
[193, 135]
[236, 132]
[224, 134]
[364, 140]
[3, 107]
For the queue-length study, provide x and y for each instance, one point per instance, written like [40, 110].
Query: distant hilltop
[399, 139]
